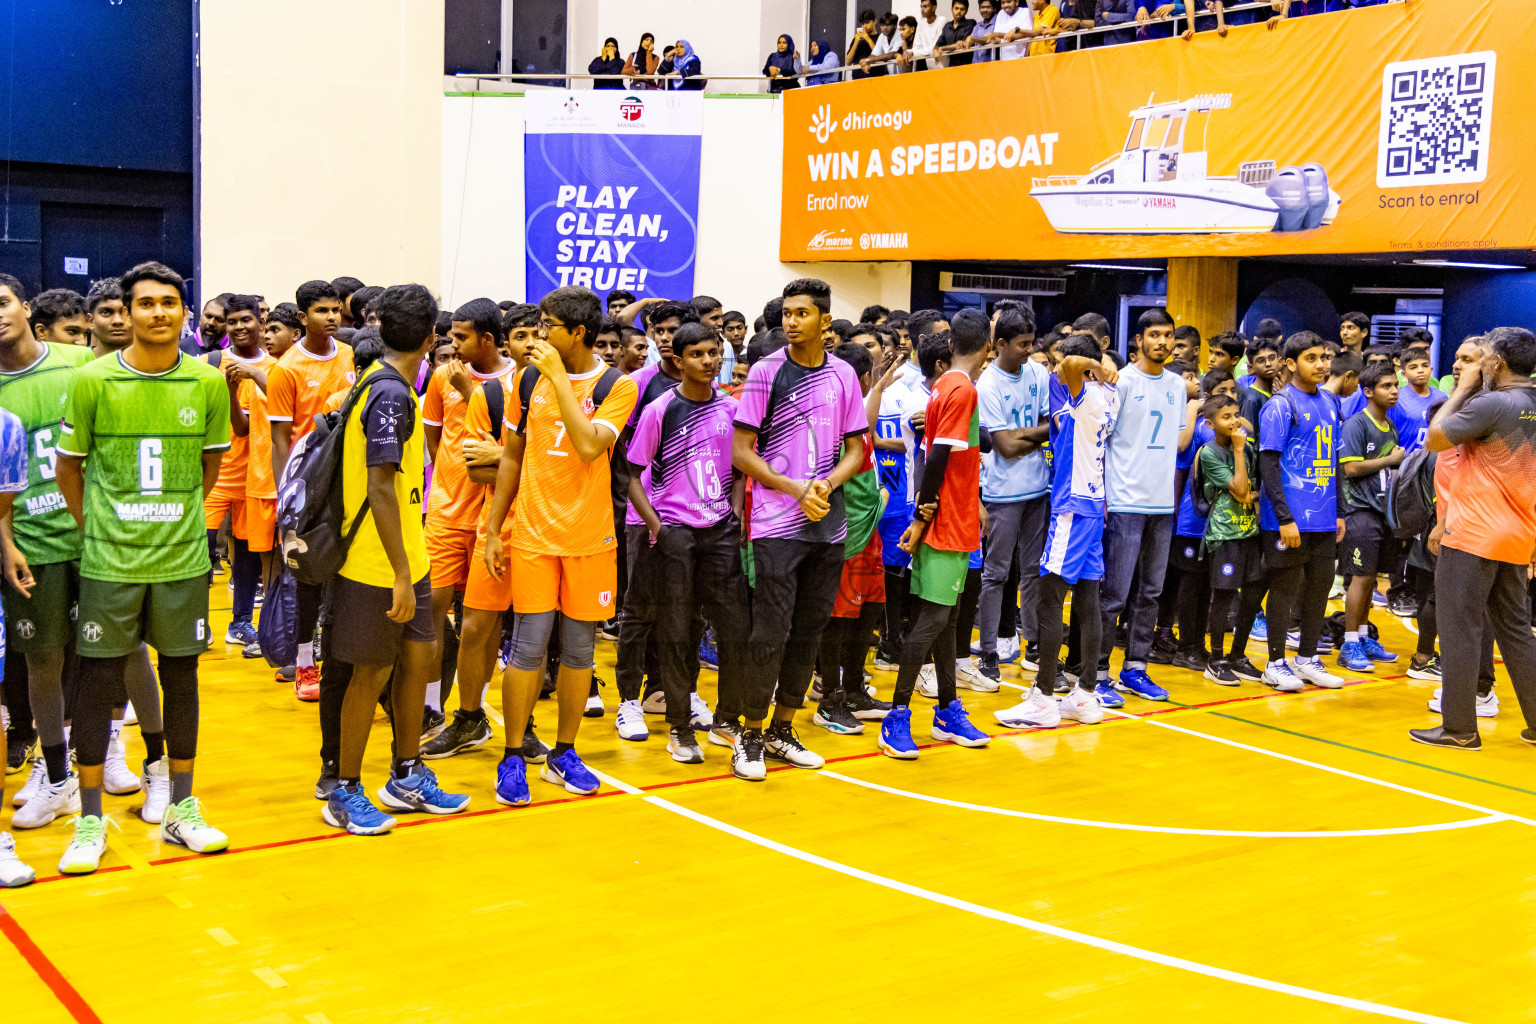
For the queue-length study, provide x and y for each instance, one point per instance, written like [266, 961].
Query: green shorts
[939, 576]
[44, 621]
[171, 617]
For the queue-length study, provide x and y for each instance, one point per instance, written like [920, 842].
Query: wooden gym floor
[1234, 853]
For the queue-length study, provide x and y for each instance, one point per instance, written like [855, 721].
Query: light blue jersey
[1144, 447]
[1080, 430]
[1008, 402]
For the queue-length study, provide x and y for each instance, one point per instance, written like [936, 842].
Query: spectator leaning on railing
[681, 68]
[1013, 24]
[607, 63]
[957, 34]
[888, 44]
[823, 58]
[863, 47]
[926, 35]
[783, 65]
[983, 31]
[642, 64]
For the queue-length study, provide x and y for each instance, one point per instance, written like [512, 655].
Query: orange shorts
[483, 591]
[450, 550]
[863, 581]
[258, 525]
[217, 503]
[578, 586]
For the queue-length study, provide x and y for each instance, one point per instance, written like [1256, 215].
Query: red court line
[434, 820]
[78, 1008]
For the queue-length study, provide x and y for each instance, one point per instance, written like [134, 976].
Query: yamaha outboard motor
[1317, 194]
[1288, 189]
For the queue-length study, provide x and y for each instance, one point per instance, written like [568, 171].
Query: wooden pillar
[1202, 292]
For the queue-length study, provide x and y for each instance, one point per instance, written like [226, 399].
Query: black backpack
[1411, 495]
[310, 494]
[1197, 499]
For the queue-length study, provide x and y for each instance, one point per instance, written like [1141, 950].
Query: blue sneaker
[1352, 656]
[504, 656]
[568, 771]
[952, 725]
[1138, 682]
[1108, 695]
[1260, 630]
[240, 634]
[348, 807]
[709, 654]
[419, 792]
[1375, 651]
[1378, 598]
[512, 782]
[896, 735]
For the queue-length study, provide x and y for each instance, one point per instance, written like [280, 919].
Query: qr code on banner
[1435, 120]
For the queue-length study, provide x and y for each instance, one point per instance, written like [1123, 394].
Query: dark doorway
[538, 39]
[472, 37]
[82, 243]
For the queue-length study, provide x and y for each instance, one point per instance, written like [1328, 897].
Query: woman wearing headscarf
[782, 67]
[642, 64]
[607, 63]
[682, 67]
[823, 58]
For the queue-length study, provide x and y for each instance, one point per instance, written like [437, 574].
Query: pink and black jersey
[682, 450]
[801, 414]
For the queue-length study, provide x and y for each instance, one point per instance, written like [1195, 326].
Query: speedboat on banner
[1154, 186]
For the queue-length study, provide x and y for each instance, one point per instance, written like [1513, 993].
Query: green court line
[1360, 750]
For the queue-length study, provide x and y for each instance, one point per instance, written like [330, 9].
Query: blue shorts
[891, 529]
[1074, 547]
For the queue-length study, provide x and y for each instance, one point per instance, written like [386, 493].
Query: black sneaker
[1438, 737]
[18, 746]
[833, 715]
[468, 730]
[683, 745]
[1029, 661]
[1192, 659]
[987, 666]
[329, 779]
[1240, 666]
[1163, 647]
[431, 721]
[864, 707]
[1216, 671]
[1529, 735]
[1428, 669]
[1403, 606]
[534, 752]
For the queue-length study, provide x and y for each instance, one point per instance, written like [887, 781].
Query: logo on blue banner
[611, 190]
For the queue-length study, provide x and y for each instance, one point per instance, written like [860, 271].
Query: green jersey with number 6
[144, 436]
[43, 527]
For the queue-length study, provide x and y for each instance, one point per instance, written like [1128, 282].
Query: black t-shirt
[862, 49]
[953, 34]
[388, 419]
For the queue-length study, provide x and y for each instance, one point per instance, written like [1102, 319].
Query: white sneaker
[13, 873]
[655, 703]
[117, 778]
[747, 759]
[1487, 707]
[725, 733]
[784, 745]
[1279, 675]
[51, 800]
[698, 713]
[130, 716]
[928, 682]
[594, 707]
[35, 781]
[630, 721]
[967, 676]
[183, 824]
[83, 855]
[157, 791]
[1007, 647]
[1311, 669]
[1081, 706]
[1037, 711]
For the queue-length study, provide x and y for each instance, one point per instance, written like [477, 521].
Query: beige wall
[321, 143]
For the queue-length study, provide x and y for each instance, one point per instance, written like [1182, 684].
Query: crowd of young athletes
[516, 480]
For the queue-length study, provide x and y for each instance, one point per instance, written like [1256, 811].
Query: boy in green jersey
[42, 548]
[1227, 467]
[144, 431]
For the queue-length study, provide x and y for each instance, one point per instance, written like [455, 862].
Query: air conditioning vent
[1389, 328]
[998, 284]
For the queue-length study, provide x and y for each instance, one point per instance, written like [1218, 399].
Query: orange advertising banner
[1399, 128]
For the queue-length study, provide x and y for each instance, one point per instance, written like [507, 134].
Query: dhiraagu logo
[822, 125]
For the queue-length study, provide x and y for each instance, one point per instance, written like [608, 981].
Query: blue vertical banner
[611, 190]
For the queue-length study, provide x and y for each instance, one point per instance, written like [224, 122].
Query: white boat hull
[1158, 208]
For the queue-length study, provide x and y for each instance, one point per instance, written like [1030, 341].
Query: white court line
[1328, 768]
[1090, 823]
[1040, 927]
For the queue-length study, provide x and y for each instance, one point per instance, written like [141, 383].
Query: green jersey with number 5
[42, 525]
[144, 436]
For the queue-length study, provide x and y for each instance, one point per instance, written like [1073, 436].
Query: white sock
[435, 695]
[117, 728]
[1351, 636]
[66, 735]
[306, 657]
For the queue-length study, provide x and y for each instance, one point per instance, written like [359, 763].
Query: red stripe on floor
[78, 1008]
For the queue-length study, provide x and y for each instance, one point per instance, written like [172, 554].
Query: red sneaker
[307, 686]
